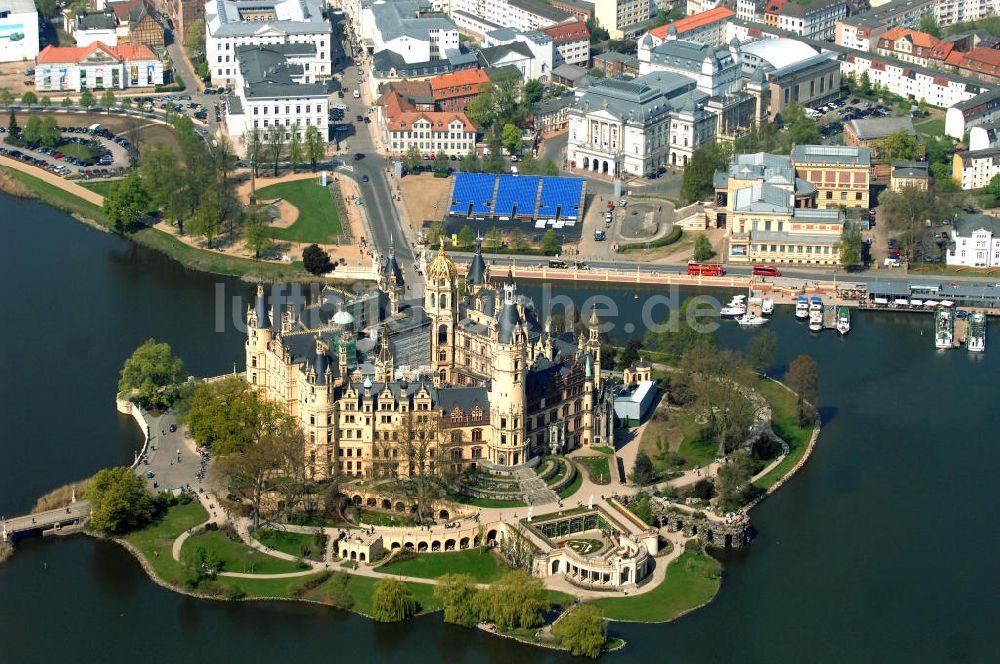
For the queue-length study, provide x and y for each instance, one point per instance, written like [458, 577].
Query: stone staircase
[535, 491]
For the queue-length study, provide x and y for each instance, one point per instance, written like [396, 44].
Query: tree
[159, 167]
[800, 129]
[596, 72]
[703, 248]
[643, 471]
[46, 102]
[548, 168]
[512, 141]
[126, 104]
[494, 239]
[928, 23]
[222, 156]
[457, 594]
[803, 379]
[249, 473]
[87, 99]
[315, 260]
[907, 212]
[516, 599]
[733, 480]
[274, 141]
[295, 148]
[679, 336]
[412, 159]
[253, 143]
[315, 150]
[498, 102]
[761, 349]
[549, 244]
[699, 174]
[214, 207]
[441, 164]
[150, 375]
[66, 102]
[900, 146]
[193, 36]
[256, 232]
[119, 501]
[865, 83]
[466, 238]
[108, 100]
[126, 202]
[517, 241]
[850, 246]
[6, 98]
[393, 601]
[471, 163]
[12, 128]
[48, 8]
[29, 98]
[229, 416]
[532, 91]
[583, 631]
[339, 594]
[597, 33]
[714, 378]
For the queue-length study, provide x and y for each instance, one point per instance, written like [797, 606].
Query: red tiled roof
[568, 32]
[695, 21]
[440, 84]
[63, 54]
[929, 45]
[404, 121]
[979, 59]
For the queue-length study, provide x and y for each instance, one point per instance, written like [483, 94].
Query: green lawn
[485, 502]
[59, 198]
[85, 152]
[376, 518]
[296, 544]
[933, 127]
[155, 542]
[785, 422]
[603, 449]
[679, 424]
[102, 187]
[479, 563]
[318, 219]
[574, 486]
[597, 468]
[691, 581]
[362, 588]
[236, 556]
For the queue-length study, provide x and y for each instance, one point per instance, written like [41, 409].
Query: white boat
[749, 320]
[733, 310]
[815, 303]
[802, 308]
[843, 320]
[977, 333]
[767, 306]
[944, 328]
[816, 321]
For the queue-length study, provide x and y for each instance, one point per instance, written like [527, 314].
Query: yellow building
[907, 174]
[841, 174]
[452, 381]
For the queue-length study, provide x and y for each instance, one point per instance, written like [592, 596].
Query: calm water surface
[882, 549]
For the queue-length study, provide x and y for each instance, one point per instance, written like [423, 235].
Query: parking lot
[85, 152]
[832, 116]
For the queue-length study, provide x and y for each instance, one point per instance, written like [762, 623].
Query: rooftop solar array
[483, 194]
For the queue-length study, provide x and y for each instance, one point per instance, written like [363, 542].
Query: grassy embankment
[294, 544]
[785, 422]
[692, 580]
[479, 563]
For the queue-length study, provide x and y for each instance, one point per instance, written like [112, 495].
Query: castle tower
[760, 90]
[390, 280]
[384, 371]
[477, 274]
[317, 412]
[258, 337]
[440, 305]
[508, 446]
[594, 343]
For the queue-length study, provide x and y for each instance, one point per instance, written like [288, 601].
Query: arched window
[432, 300]
[444, 300]
[443, 334]
[477, 435]
[456, 455]
[456, 436]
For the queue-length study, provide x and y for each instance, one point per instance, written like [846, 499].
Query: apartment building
[399, 27]
[862, 31]
[975, 241]
[453, 92]
[480, 17]
[973, 169]
[621, 18]
[841, 174]
[816, 20]
[403, 127]
[912, 46]
[571, 41]
[707, 28]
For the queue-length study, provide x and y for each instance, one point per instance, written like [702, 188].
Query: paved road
[79, 509]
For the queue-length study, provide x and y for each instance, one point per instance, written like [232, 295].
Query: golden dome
[442, 267]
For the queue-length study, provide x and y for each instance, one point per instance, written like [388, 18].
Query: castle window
[477, 435]
[443, 356]
[443, 334]
[456, 455]
[477, 412]
[477, 453]
[253, 362]
[503, 422]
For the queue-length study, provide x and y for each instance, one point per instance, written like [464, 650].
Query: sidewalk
[55, 180]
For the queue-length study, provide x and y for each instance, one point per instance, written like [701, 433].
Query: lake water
[883, 548]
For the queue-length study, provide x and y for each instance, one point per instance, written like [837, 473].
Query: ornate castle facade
[470, 366]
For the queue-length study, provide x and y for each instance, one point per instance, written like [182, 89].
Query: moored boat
[843, 320]
[977, 332]
[750, 320]
[802, 308]
[944, 328]
[815, 303]
[767, 306]
[816, 321]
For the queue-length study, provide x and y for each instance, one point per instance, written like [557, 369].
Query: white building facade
[617, 16]
[230, 24]
[18, 30]
[97, 67]
[975, 241]
[399, 28]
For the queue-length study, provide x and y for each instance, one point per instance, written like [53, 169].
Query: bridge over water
[44, 523]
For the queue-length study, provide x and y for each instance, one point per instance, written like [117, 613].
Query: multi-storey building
[948, 12]
[909, 175]
[980, 62]
[18, 30]
[707, 28]
[91, 27]
[480, 17]
[276, 85]
[841, 174]
[97, 67]
[771, 213]
[581, 9]
[975, 241]
[791, 72]
[475, 371]
[816, 20]
[912, 46]
[638, 126]
[623, 18]
[453, 92]
[571, 41]
[973, 169]
[871, 133]
[613, 63]
[404, 125]
[531, 53]
[398, 27]
[750, 10]
[862, 31]
[938, 88]
[230, 24]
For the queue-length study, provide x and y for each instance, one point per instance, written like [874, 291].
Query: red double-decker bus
[701, 269]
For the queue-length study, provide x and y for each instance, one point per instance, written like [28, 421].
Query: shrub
[340, 596]
[393, 601]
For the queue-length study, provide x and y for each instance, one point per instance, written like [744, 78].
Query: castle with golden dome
[470, 365]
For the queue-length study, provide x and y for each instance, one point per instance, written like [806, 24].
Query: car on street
[364, 178]
[358, 156]
[173, 428]
[599, 235]
[622, 203]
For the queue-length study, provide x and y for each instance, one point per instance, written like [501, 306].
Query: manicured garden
[573, 487]
[691, 580]
[478, 563]
[377, 518]
[295, 544]
[155, 542]
[318, 221]
[597, 468]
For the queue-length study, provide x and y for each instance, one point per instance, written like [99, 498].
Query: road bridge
[44, 523]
